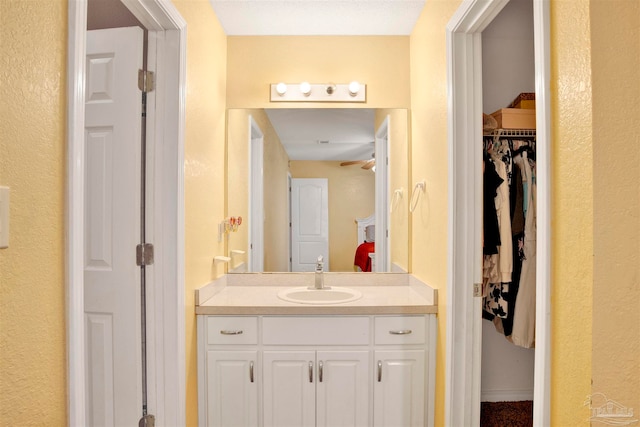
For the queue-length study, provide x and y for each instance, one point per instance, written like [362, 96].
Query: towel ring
[395, 199]
[415, 195]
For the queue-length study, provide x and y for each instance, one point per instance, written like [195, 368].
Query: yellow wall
[399, 175]
[276, 202]
[204, 166]
[616, 200]
[429, 164]
[572, 212]
[256, 62]
[32, 158]
[276, 194]
[351, 196]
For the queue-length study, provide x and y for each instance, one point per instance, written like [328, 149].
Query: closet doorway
[464, 324]
[507, 366]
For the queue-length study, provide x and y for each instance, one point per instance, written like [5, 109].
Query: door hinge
[147, 421]
[144, 254]
[146, 81]
[477, 290]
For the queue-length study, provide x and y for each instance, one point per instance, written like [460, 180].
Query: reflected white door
[112, 227]
[309, 223]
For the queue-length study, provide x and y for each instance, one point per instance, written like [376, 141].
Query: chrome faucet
[319, 283]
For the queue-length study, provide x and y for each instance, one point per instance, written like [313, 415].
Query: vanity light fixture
[281, 88]
[318, 92]
[354, 88]
[305, 88]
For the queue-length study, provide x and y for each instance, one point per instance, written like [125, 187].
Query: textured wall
[204, 166]
[429, 163]
[32, 95]
[572, 211]
[616, 218]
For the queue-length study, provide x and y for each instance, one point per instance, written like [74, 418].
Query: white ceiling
[326, 133]
[317, 17]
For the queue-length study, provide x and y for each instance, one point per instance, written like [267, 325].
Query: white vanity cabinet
[316, 388]
[320, 370]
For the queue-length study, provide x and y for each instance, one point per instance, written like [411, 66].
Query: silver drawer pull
[251, 371]
[379, 370]
[401, 332]
[320, 371]
[310, 372]
[227, 332]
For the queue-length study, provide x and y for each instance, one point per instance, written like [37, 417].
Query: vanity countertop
[257, 294]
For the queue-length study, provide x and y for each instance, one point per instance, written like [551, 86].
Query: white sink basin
[332, 295]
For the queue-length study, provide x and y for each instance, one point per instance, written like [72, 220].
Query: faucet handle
[320, 259]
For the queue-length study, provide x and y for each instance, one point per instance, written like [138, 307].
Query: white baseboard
[506, 395]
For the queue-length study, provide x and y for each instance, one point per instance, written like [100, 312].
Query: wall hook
[395, 198]
[418, 189]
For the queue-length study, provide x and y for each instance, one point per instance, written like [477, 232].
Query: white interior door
[112, 221]
[309, 223]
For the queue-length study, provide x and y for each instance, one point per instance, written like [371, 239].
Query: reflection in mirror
[301, 178]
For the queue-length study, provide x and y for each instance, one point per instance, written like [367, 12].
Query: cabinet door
[232, 389]
[289, 388]
[343, 388]
[399, 388]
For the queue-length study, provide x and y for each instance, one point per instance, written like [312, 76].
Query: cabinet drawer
[232, 330]
[325, 330]
[400, 330]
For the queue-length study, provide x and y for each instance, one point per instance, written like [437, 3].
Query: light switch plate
[4, 217]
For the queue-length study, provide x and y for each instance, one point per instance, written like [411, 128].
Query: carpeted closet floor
[506, 414]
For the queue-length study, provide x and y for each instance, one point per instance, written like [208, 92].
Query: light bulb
[354, 87]
[305, 88]
[281, 88]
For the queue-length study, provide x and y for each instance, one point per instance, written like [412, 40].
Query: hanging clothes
[517, 230]
[509, 272]
[497, 267]
[491, 230]
[523, 333]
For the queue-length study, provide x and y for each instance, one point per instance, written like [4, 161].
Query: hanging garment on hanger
[497, 267]
[503, 212]
[491, 230]
[517, 239]
[524, 319]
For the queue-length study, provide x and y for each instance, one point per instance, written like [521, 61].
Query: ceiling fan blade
[370, 163]
[353, 162]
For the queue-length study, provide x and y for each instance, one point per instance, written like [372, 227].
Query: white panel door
[289, 389]
[232, 389]
[112, 227]
[399, 389]
[343, 388]
[309, 223]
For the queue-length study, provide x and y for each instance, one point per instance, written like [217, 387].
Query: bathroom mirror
[304, 179]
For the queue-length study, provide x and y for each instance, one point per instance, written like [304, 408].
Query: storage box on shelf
[526, 100]
[515, 118]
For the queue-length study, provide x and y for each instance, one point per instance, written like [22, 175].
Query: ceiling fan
[366, 164]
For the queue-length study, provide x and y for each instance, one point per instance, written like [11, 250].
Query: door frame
[464, 329]
[256, 197]
[383, 258]
[165, 297]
